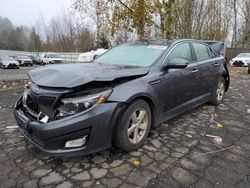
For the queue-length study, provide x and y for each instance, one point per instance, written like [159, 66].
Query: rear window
[201, 51]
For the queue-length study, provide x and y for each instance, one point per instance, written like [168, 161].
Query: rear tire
[219, 92]
[134, 126]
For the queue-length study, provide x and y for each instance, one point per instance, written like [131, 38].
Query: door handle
[194, 71]
[216, 64]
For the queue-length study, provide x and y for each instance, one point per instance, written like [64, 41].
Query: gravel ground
[15, 74]
[177, 153]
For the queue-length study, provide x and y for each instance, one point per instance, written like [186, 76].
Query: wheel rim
[220, 91]
[138, 124]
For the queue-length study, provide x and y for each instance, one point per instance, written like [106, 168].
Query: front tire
[134, 126]
[219, 92]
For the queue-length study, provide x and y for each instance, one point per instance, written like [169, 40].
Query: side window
[181, 51]
[211, 53]
[201, 51]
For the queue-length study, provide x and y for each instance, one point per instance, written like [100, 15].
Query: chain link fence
[67, 57]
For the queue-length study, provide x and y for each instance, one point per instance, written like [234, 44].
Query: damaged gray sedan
[78, 109]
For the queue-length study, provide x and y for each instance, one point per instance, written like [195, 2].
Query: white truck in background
[50, 58]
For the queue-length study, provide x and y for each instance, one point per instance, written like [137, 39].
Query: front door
[179, 86]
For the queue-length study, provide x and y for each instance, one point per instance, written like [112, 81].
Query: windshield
[53, 56]
[244, 55]
[6, 58]
[132, 55]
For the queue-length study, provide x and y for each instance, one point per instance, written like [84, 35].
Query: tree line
[18, 38]
[122, 20]
[92, 24]
[63, 33]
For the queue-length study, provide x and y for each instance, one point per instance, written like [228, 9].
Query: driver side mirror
[176, 63]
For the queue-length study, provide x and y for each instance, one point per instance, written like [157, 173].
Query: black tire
[217, 97]
[248, 69]
[121, 138]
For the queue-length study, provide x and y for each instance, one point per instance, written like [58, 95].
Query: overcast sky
[26, 12]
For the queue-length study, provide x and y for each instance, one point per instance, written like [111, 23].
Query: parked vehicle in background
[241, 60]
[35, 59]
[86, 57]
[50, 58]
[98, 52]
[90, 56]
[77, 109]
[24, 60]
[8, 63]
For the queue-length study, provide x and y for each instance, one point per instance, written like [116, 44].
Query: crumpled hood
[73, 75]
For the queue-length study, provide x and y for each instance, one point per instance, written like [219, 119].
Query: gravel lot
[177, 153]
[15, 74]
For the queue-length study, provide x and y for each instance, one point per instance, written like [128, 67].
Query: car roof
[166, 42]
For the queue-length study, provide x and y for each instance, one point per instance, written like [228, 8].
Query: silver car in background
[241, 60]
[24, 60]
[8, 63]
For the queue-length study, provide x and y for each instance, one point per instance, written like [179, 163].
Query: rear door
[207, 64]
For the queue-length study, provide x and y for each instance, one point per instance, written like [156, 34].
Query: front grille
[47, 101]
[43, 100]
[238, 64]
[27, 62]
[35, 107]
[12, 66]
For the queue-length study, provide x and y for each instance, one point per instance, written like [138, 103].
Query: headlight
[71, 106]
[26, 93]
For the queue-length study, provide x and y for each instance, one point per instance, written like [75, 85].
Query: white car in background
[23, 60]
[8, 63]
[98, 52]
[50, 58]
[86, 57]
[90, 56]
[241, 60]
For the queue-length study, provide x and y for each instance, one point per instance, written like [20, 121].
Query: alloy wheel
[138, 124]
[220, 91]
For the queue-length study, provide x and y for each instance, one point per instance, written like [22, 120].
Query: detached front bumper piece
[88, 132]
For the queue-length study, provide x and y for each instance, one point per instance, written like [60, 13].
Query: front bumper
[239, 63]
[26, 63]
[11, 66]
[56, 61]
[97, 123]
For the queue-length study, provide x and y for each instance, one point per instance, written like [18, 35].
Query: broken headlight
[71, 106]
